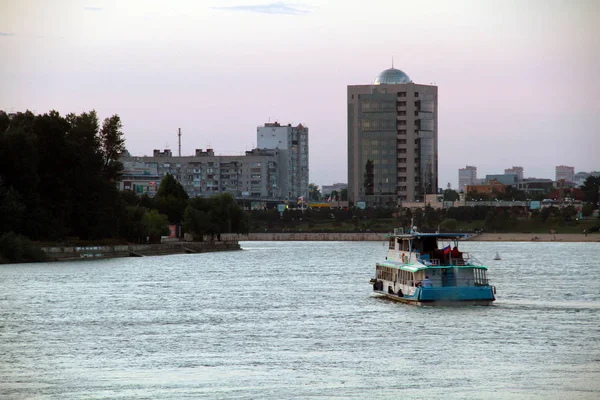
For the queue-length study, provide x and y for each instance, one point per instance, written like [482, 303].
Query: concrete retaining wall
[85, 252]
[333, 236]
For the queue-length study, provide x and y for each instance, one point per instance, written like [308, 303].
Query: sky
[518, 81]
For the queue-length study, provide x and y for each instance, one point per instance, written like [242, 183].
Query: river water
[297, 320]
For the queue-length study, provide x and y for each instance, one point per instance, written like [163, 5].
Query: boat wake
[548, 305]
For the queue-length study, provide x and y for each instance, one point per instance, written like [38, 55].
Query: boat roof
[411, 267]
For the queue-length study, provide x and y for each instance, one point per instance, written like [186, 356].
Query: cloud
[93, 8]
[7, 34]
[273, 8]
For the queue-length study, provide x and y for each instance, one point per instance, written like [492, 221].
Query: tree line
[59, 180]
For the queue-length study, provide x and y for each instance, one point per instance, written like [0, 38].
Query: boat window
[405, 245]
[480, 277]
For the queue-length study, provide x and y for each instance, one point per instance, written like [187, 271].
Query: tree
[215, 215]
[94, 196]
[591, 190]
[451, 195]
[112, 144]
[155, 225]
[313, 192]
[587, 209]
[132, 226]
[12, 209]
[448, 225]
[196, 222]
[18, 248]
[431, 216]
[171, 199]
[511, 194]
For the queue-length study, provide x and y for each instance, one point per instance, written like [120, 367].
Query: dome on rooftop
[392, 76]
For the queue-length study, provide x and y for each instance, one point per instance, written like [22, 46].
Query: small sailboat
[497, 256]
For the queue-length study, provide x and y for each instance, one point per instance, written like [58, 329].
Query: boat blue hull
[480, 295]
[468, 293]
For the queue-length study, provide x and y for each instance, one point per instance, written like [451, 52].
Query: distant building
[565, 172]
[491, 187]
[292, 144]
[580, 177]
[506, 179]
[326, 190]
[535, 185]
[139, 176]
[467, 176]
[392, 140]
[516, 171]
[254, 175]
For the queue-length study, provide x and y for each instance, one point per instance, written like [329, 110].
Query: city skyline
[517, 82]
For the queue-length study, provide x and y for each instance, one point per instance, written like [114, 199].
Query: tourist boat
[428, 268]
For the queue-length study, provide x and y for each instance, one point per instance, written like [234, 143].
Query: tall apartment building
[292, 144]
[392, 140]
[516, 171]
[565, 172]
[255, 174]
[466, 177]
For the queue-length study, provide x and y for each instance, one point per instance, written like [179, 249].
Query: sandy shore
[537, 237]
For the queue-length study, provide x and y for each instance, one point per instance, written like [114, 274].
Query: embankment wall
[137, 250]
[329, 236]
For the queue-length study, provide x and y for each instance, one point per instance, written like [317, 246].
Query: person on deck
[455, 253]
[427, 282]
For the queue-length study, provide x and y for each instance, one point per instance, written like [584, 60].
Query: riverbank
[536, 237]
[137, 250]
[372, 236]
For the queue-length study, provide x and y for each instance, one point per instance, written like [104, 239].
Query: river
[297, 320]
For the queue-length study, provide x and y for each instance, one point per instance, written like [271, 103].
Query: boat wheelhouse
[428, 268]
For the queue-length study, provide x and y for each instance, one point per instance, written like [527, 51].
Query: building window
[416, 94]
[401, 122]
[402, 113]
[402, 160]
[402, 103]
[401, 141]
[402, 132]
[402, 169]
[402, 94]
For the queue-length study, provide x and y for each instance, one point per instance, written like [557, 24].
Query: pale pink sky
[518, 80]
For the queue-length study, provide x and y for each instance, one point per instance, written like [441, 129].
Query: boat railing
[470, 260]
[431, 262]
[458, 261]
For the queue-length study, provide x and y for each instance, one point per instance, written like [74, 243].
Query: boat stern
[456, 294]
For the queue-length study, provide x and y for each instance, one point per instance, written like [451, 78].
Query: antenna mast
[179, 134]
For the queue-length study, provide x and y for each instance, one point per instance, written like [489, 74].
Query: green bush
[17, 248]
[448, 225]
